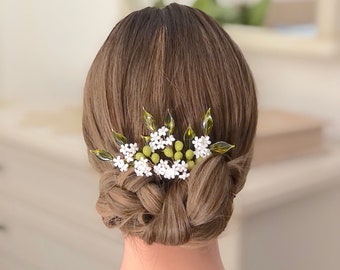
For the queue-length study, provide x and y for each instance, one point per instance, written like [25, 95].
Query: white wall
[306, 85]
[47, 46]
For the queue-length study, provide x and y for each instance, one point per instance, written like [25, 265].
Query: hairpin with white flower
[162, 154]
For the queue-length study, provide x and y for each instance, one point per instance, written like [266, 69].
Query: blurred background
[287, 217]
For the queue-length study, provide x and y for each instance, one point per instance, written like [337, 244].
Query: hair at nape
[177, 59]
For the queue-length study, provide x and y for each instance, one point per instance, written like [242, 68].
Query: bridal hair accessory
[162, 154]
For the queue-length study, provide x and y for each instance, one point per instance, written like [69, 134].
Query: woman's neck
[140, 256]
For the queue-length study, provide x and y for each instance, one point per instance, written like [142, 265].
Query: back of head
[175, 58]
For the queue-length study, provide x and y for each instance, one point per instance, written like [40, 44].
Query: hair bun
[171, 226]
[140, 206]
[172, 213]
[128, 201]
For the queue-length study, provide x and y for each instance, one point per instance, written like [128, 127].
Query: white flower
[124, 149]
[155, 136]
[155, 141]
[161, 167]
[129, 151]
[162, 131]
[182, 169]
[170, 173]
[202, 153]
[202, 146]
[120, 163]
[169, 140]
[157, 170]
[180, 166]
[142, 167]
[134, 147]
[202, 142]
[124, 168]
[206, 140]
[159, 144]
[184, 175]
[129, 158]
[158, 139]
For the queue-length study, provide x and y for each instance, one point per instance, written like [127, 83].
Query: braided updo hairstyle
[180, 59]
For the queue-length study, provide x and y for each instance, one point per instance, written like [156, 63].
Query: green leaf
[188, 136]
[221, 147]
[102, 155]
[256, 13]
[159, 4]
[169, 122]
[149, 121]
[222, 14]
[207, 123]
[146, 139]
[119, 138]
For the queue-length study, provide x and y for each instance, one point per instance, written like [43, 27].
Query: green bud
[139, 155]
[189, 154]
[155, 158]
[147, 150]
[178, 156]
[191, 164]
[178, 146]
[168, 152]
[198, 160]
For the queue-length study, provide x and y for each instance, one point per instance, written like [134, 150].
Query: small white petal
[162, 131]
[124, 168]
[184, 175]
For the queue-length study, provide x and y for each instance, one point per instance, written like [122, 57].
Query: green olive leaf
[102, 155]
[221, 147]
[188, 136]
[149, 121]
[119, 138]
[146, 139]
[169, 122]
[207, 123]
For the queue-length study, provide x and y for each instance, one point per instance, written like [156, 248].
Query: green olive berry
[168, 152]
[190, 164]
[189, 154]
[139, 155]
[147, 150]
[178, 156]
[155, 158]
[198, 160]
[178, 146]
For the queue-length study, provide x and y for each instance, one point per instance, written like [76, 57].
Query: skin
[140, 256]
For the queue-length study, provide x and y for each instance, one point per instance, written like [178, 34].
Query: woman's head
[175, 58]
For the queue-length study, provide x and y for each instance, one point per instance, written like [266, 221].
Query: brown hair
[175, 58]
